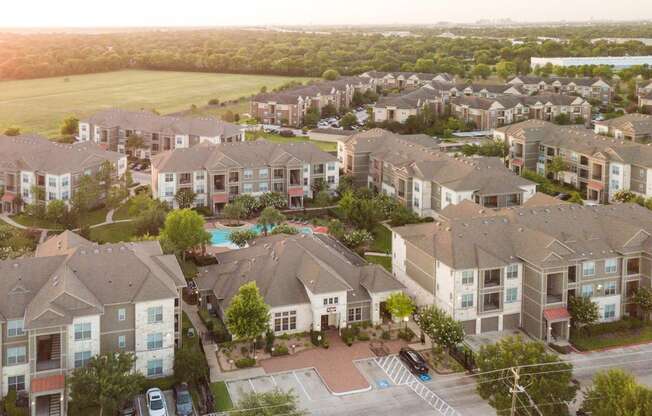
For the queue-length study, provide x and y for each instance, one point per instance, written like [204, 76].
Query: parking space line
[274, 380]
[252, 386]
[140, 409]
[302, 386]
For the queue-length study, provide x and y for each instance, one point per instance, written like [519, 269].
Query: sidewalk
[209, 347]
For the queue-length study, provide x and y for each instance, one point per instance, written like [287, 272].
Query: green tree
[440, 327]
[269, 217]
[348, 120]
[134, 142]
[481, 71]
[250, 203]
[400, 306]
[615, 392]
[105, 382]
[562, 119]
[401, 215]
[273, 199]
[328, 110]
[185, 198]
[362, 212]
[242, 237]
[424, 65]
[234, 211]
[505, 69]
[643, 300]
[190, 365]
[86, 196]
[624, 196]
[556, 166]
[105, 176]
[272, 403]
[548, 384]
[330, 75]
[184, 230]
[583, 311]
[12, 131]
[247, 316]
[356, 238]
[285, 229]
[322, 198]
[69, 126]
[56, 211]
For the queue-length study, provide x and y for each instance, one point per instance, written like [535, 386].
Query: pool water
[220, 236]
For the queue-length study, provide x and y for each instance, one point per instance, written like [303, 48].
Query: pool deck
[217, 225]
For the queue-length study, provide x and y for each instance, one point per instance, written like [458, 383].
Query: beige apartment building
[219, 173]
[112, 128]
[633, 127]
[518, 267]
[598, 166]
[34, 169]
[74, 300]
[589, 88]
[413, 170]
[289, 107]
[404, 80]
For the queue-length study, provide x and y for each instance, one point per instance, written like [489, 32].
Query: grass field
[39, 105]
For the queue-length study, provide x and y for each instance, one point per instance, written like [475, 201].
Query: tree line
[24, 56]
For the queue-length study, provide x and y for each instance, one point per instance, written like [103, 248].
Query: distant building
[588, 88]
[633, 127]
[618, 62]
[112, 128]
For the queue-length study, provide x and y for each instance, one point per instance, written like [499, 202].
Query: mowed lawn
[39, 105]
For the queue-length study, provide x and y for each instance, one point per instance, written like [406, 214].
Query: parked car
[286, 133]
[156, 405]
[128, 408]
[183, 400]
[563, 196]
[413, 360]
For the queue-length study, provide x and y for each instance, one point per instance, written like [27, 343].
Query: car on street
[156, 405]
[183, 400]
[413, 360]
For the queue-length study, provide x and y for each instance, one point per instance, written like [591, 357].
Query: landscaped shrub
[165, 383]
[386, 335]
[363, 336]
[245, 362]
[406, 334]
[10, 405]
[314, 338]
[269, 340]
[348, 336]
[279, 350]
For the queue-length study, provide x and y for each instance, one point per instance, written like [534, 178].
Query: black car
[183, 400]
[563, 196]
[128, 408]
[413, 360]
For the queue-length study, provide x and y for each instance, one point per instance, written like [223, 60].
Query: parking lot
[169, 401]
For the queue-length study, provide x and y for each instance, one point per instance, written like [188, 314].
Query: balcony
[491, 302]
[48, 352]
[491, 278]
[554, 288]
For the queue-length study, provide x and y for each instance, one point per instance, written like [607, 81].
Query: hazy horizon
[199, 13]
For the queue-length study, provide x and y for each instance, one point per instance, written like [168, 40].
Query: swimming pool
[220, 236]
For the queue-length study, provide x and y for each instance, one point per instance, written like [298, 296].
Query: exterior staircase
[55, 351]
[55, 405]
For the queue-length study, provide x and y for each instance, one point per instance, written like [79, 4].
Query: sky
[130, 13]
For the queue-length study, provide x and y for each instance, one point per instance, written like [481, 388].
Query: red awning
[556, 314]
[517, 162]
[321, 230]
[598, 186]
[295, 191]
[49, 383]
[8, 197]
[220, 198]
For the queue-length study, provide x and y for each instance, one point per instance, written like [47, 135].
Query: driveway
[169, 401]
[335, 364]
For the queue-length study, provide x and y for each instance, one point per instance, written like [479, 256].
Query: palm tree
[270, 217]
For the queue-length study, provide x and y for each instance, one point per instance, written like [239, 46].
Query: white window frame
[585, 268]
[82, 358]
[16, 355]
[511, 295]
[83, 331]
[154, 341]
[15, 328]
[156, 369]
[154, 316]
[511, 271]
[466, 275]
[122, 341]
[467, 301]
[611, 268]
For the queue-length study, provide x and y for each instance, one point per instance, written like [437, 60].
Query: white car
[156, 405]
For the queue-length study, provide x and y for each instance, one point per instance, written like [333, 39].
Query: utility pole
[515, 389]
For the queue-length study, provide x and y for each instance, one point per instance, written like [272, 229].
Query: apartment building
[598, 166]
[414, 171]
[219, 173]
[112, 128]
[310, 282]
[490, 113]
[633, 127]
[644, 94]
[75, 299]
[404, 80]
[589, 88]
[399, 107]
[33, 167]
[518, 267]
[289, 107]
[487, 90]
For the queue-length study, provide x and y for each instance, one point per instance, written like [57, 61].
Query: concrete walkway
[5, 218]
[210, 348]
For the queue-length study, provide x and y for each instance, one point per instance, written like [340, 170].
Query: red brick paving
[335, 364]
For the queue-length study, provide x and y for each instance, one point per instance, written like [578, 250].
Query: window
[16, 383]
[248, 173]
[467, 300]
[512, 271]
[449, 197]
[155, 314]
[122, 314]
[263, 187]
[83, 331]
[65, 195]
[331, 166]
[609, 311]
[82, 358]
[25, 179]
[511, 295]
[64, 181]
[169, 177]
[355, 314]
[331, 301]
[588, 268]
[467, 277]
[52, 182]
[154, 368]
[263, 173]
[415, 202]
[285, 321]
[169, 191]
[610, 265]
[331, 179]
[122, 341]
[610, 288]
[587, 290]
[614, 185]
[52, 196]
[15, 328]
[416, 186]
[632, 266]
[155, 341]
[199, 176]
[16, 355]
[615, 170]
[234, 177]
[247, 188]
